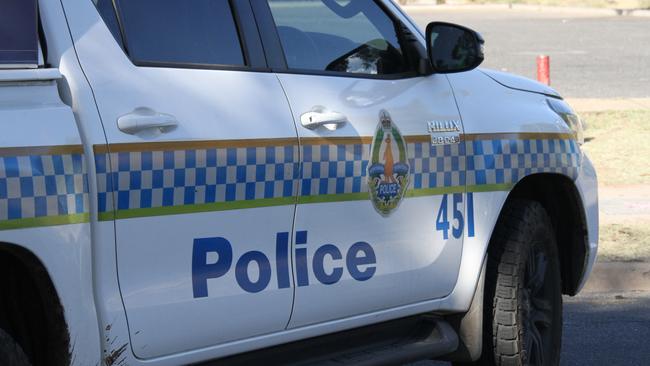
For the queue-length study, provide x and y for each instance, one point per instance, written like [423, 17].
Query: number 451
[442, 221]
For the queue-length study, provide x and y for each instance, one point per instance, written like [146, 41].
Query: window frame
[262, 10]
[247, 35]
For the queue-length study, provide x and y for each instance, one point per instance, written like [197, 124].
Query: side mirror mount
[453, 48]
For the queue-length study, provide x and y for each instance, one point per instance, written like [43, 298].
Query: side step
[390, 343]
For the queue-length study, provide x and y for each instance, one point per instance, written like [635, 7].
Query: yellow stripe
[354, 140]
[193, 145]
[41, 150]
[518, 136]
[350, 140]
[414, 139]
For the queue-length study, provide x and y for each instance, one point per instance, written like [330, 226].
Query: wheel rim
[538, 307]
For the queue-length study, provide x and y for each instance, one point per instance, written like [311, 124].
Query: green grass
[613, 4]
[618, 143]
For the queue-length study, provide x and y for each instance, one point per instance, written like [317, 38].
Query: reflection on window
[341, 36]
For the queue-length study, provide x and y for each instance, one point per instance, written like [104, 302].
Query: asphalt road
[606, 329]
[592, 56]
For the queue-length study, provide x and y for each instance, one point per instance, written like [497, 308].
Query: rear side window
[18, 34]
[351, 36]
[175, 32]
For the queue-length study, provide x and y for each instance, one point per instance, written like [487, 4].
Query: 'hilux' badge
[444, 132]
[388, 172]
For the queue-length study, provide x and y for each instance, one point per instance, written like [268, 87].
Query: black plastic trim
[43, 42]
[250, 39]
[389, 343]
[269, 34]
[183, 65]
[120, 24]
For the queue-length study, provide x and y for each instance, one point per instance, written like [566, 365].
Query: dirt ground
[624, 223]
[613, 4]
[618, 144]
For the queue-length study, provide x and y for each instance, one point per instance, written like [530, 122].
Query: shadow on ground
[606, 329]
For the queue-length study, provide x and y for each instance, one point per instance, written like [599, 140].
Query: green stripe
[422, 192]
[237, 205]
[271, 202]
[324, 198]
[44, 221]
[490, 187]
[208, 207]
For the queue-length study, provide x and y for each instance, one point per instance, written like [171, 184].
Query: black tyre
[11, 354]
[523, 290]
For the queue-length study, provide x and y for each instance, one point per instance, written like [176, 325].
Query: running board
[391, 343]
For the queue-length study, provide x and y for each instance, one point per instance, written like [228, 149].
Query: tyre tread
[509, 242]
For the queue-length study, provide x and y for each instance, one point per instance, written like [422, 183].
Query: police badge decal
[388, 171]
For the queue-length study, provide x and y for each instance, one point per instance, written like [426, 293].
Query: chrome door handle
[145, 119]
[320, 117]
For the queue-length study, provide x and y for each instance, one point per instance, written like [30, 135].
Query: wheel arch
[30, 308]
[561, 199]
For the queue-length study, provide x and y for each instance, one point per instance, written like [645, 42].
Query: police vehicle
[270, 182]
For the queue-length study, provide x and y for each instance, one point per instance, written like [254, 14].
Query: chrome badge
[444, 132]
[388, 171]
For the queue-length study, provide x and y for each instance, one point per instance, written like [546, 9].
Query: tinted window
[18, 37]
[179, 31]
[354, 36]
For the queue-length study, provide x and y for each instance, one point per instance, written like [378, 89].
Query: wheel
[523, 290]
[11, 354]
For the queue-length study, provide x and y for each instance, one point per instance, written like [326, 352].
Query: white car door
[381, 211]
[199, 174]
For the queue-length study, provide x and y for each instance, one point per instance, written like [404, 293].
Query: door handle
[321, 117]
[146, 119]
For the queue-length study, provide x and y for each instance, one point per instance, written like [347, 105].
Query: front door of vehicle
[199, 173]
[381, 214]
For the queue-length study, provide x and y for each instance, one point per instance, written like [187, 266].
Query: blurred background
[600, 63]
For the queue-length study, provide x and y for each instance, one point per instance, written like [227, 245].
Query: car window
[175, 31]
[353, 36]
[18, 34]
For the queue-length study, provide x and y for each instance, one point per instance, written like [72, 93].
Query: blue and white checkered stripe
[334, 169]
[508, 161]
[153, 179]
[436, 166]
[340, 169]
[44, 185]
[34, 186]
[192, 177]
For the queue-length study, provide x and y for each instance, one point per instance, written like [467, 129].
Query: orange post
[544, 69]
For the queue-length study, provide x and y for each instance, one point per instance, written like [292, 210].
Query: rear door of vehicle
[199, 172]
[380, 218]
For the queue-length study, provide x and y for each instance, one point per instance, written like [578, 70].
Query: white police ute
[279, 182]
